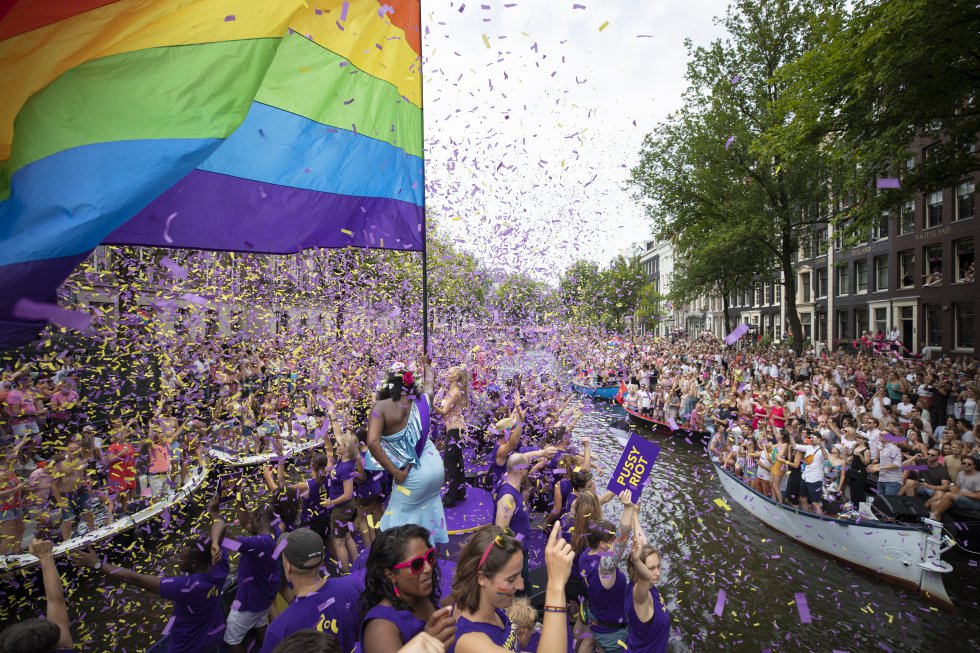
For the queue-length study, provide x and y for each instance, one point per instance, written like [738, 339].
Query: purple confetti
[736, 79]
[720, 604]
[174, 267]
[728, 143]
[343, 11]
[803, 608]
[279, 548]
[28, 309]
[229, 18]
[889, 182]
[914, 468]
[385, 9]
[230, 544]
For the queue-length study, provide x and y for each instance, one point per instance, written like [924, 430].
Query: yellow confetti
[721, 504]
[345, 231]
[404, 490]
[486, 41]
[604, 26]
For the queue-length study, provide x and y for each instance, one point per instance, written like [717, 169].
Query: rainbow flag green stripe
[144, 94]
[323, 86]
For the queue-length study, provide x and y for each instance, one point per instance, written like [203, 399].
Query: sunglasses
[417, 564]
[500, 541]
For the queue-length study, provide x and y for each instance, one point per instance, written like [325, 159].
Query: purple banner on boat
[634, 466]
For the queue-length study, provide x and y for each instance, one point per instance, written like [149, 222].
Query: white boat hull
[288, 451]
[892, 551]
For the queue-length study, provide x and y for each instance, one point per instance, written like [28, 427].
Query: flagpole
[425, 257]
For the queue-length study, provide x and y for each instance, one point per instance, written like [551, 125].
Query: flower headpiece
[399, 369]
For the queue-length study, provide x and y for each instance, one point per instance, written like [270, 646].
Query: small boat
[660, 427]
[289, 449]
[904, 554]
[607, 391]
[121, 525]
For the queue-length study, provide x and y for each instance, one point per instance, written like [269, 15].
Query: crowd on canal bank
[354, 546]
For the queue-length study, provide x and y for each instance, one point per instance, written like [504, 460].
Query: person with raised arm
[398, 441]
[198, 620]
[646, 613]
[52, 634]
[488, 577]
[451, 408]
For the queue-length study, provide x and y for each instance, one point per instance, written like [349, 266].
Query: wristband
[552, 608]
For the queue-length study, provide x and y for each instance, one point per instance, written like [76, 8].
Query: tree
[578, 291]
[713, 263]
[718, 163]
[891, 73]
[621, 283]
[649, 304]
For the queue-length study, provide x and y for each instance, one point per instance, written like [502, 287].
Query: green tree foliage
[719, 164]
[589, 296]
[889, 74]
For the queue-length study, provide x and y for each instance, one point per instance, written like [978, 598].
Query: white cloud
[530, 148]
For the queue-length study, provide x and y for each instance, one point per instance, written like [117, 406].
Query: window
[963, 256]
[881, 273]
[881, 319]
[963, 323]
[934, 325]
[842, 281]
[822, 282]
[934, 209]
[906, 220]
[805, 286]
[880, 230]
[842, 325]
[933, 265]
[758, 294]
[779, 293]
[860, 321]
[777, 326]
[861, 276]
[906, 269]
[808, 246]
[964, 200]
[769, 294]
[910, 163]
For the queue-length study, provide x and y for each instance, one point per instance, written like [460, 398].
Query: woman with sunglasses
[401, 593]
[488, 577]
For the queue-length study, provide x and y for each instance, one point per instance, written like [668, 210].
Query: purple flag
[736, 333]
[634, 466]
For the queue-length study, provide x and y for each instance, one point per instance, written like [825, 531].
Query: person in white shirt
[889, 468]
[873, 435]
[811, 490]
[904, 408]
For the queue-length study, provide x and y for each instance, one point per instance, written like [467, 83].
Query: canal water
[705, 549]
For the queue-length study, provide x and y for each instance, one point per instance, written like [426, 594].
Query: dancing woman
[451, 408]
[646, 613]
[398, 443]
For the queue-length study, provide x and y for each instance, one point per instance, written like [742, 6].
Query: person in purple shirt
[646, 612]
[326, 605]
[488, 577]
[605, 583]
[509, 509]
[401, 596]
[340, 497]
[198, 620]
[258, 572]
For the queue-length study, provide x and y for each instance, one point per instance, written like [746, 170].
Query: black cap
[304, 548]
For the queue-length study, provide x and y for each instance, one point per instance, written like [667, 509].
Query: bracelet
[552, 608]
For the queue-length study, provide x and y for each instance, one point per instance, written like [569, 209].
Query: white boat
[905, 554]
[289, 450]
[166, 502]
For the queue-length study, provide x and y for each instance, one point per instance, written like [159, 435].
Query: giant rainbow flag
[248, 125]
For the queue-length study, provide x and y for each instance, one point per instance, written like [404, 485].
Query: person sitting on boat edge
[328, 605]
[964, 494]
[258, 571]
[928, 481]
[198, 618]
[402, 591]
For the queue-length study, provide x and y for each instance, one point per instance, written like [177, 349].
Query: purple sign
[634, 466]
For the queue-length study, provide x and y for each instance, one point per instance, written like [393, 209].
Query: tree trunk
[728, 318]
[789, 283]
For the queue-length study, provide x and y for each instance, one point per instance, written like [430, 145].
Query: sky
[529, 141]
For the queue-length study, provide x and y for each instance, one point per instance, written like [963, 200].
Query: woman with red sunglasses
[401, 591]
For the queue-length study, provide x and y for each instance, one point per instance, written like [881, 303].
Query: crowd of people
[814, 431]
[353, 542]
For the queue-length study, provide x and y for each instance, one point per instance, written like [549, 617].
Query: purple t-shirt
[258, 573]
[199, 620]
[311, 504]
[408, 624]
[520, 523]
[343, 471]
[647, 636]
[606, 604]
[505, 637]
[371, 485]
[333, 608]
